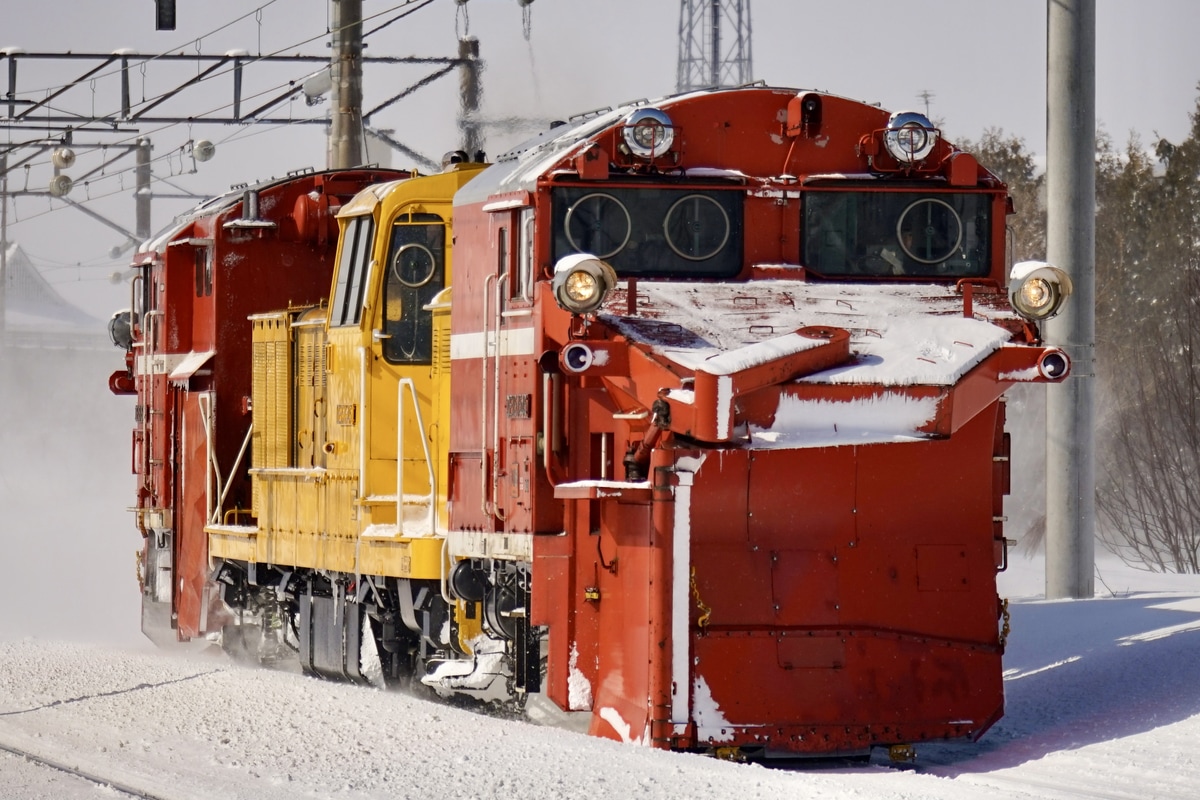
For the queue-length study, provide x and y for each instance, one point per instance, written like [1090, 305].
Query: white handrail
[237, 462]
[212, 472]
[501, 282]
[407, 383]
[483, 410]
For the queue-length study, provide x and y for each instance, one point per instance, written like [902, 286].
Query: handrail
[483, 411]
[407, 383]
[211, 470]
[501, 282]
[237, 462]
[361, 419]
[402, 384]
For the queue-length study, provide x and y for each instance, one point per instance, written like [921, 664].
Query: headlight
[1037, 290]
[581, 287]
[648, 133]
[581, 282]
[909, 137]
[120, 329]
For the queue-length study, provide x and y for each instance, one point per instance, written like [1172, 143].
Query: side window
[416, 272]
[353, 261]
[502, 266]
[524, 285]
[204, 277]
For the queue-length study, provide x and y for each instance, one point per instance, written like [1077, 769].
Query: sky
[981, 62]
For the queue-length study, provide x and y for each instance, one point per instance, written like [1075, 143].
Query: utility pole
[468, 54]
[1071, 246]
[142, 193]
[346, 123]
[3, 247]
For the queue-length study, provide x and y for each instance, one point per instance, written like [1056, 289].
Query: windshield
[854, 233]
[677, 233]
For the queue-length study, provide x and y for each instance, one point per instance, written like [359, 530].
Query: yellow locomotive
[341, 525]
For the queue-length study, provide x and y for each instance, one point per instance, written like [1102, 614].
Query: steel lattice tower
[714, 44]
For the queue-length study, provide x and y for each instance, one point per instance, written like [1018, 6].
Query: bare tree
[1149, 280]
[1148, 329]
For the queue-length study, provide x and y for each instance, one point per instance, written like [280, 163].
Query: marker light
[909, 137]
[648, 133]
[577, 357]
[1054, 365]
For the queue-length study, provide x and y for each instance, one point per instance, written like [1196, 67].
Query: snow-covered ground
[1103, 696]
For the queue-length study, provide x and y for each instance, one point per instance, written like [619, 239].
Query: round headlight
[581, 286]
[648, 133]
[581, 282]
[1036, 294]
[909, 137]
[120, 329]
[1038, 290]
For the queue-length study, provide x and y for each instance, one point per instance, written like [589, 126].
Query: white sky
[983, 62]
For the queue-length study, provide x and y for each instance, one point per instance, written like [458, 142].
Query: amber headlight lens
[581, 286]
[1036, 294]
[1038, 290]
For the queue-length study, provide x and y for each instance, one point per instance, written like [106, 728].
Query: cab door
[414, 270]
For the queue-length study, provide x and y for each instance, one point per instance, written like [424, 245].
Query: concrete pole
[3, 247]
[346, 125]
[470, 93]
[141, 195]
[1071, 245]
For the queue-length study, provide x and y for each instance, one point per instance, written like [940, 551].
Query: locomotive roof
[519, 168]
[216, 205]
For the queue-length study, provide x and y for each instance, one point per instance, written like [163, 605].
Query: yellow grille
[441, 344]
[270, 395]
[310, 396]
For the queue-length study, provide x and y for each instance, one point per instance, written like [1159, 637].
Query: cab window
[415, 274]
[353, 263]
[896, 233]
[652, 232]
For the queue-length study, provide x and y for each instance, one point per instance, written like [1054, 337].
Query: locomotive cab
[349, 452]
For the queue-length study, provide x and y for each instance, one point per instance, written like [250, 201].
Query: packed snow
[1103, 695]
[1102, 701]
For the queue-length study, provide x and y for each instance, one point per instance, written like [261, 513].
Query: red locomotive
[728, 419]
[187, 346]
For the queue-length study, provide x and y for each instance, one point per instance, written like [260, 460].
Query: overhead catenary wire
[406, 8]
[290, 82]
[249, 59]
